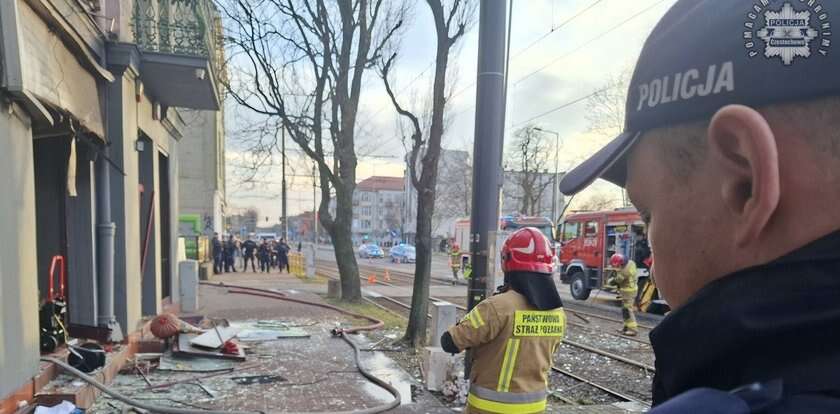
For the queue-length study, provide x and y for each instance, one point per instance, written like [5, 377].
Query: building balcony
[181, 48]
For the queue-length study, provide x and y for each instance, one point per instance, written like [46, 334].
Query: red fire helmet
[527, 250]
[618, 260]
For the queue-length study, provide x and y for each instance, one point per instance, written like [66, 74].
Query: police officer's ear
[744, 154]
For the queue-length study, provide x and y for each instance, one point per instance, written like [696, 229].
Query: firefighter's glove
[448, 344]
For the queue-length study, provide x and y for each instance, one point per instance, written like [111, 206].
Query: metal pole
[487, 149]
[285, 200]
[314, 207]
[105, 232]
[556, 178]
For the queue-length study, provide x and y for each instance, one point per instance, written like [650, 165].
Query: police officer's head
[731, 149]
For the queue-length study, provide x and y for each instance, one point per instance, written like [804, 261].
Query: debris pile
[456, 387]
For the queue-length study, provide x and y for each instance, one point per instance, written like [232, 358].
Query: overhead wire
[555, 29]
[559, 107]
[576, 49]
[590, 41]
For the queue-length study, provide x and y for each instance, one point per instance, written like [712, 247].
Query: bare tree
[528, 161]
[250, 218]
[300, 63]
[392, 215]
[605, 109]
[450, 22]
[453, 195]
[596, 202]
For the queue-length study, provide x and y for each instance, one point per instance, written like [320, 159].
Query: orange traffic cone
[372, 279]
[387, 275]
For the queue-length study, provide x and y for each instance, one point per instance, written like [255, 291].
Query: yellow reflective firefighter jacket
[626, 277]
[455, 259]
[513, 346]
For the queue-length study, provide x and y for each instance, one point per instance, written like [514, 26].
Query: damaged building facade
[91, 136]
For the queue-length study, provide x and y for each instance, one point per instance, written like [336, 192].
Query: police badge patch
[787, 32]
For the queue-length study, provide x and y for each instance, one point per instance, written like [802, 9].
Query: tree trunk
[416, 330]
[345, 256]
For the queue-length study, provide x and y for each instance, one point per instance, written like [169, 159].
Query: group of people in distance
[268, 254]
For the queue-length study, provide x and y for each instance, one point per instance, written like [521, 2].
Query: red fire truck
[507, 225]
[587, 240]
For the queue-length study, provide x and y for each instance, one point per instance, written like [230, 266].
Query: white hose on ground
[274, 295]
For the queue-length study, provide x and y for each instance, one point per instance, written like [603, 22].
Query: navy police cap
[706, 54]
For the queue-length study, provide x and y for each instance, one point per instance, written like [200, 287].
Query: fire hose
[340, 332]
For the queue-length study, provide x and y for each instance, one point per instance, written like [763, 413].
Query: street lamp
[556, 170]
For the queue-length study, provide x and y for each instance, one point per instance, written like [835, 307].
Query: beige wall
[126, 213]
[201, 175]
[19, 342]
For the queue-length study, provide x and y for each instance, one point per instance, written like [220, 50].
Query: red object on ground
[230, 347]
[165, 326]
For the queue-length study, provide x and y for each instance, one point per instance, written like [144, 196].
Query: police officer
[515, 333]
[625, 276]
[249, 248]
[283, 256]
[218, 254]
[731, 143]
[264, 255]
[230, 254]
[455, 260]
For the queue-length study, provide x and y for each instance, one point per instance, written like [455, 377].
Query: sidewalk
[316, 374]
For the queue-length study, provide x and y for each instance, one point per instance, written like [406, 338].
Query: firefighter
[625, 280]
[455, 260]
[515, 333]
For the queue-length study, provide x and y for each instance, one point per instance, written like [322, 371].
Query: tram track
[647, 369]
[576, 344]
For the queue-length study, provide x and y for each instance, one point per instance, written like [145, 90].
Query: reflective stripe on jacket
[627, 276]
[455, 259]
[513, 346]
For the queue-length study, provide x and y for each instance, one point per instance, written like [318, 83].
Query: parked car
[403, 253]
[370, 251]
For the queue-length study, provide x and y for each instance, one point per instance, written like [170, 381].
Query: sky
[561, 51]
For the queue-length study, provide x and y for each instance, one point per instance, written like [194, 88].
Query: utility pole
[554, 186]
[315, 207]
[285, 200]
[487, 150]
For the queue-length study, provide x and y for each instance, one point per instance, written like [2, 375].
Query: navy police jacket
[763, 340]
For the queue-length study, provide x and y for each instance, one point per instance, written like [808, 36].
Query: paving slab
[310, 374]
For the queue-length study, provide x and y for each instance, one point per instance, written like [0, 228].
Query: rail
[180, 27]
[575, 344]
[622, 396]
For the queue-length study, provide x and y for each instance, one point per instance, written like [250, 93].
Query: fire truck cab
[507, 225]
[588, 240]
